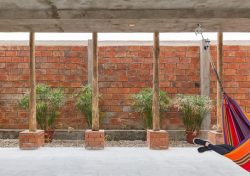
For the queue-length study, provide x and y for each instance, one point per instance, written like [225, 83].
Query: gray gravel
[79, 143]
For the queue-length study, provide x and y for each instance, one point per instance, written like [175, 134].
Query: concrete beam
[78, 20]
[114, 16]
[124, 14]
[124, 4]
[205, 81]
[90, 61]
[118, 25]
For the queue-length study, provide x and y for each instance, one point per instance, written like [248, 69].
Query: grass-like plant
[142, 103]
[84, 103]
[48, 103]
[194, 109]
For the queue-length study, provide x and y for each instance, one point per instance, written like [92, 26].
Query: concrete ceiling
[118, 15]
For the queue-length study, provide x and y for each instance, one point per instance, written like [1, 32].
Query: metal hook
[207, 44]
[199, 30]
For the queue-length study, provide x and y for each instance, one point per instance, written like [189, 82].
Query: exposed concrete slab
[115, 161]
[115, 16]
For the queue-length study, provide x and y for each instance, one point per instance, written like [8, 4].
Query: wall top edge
[120, 43]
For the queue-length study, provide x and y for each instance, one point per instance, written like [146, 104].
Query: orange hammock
[236, 124]
[241, 155]
[236, 130]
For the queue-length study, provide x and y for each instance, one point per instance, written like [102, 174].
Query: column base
[157, 140]
[31, 140]
[216, 137]
[94, 140]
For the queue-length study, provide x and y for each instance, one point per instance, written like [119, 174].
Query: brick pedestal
[94, 140]
[31, 140]
[215, 137]
[157, 140]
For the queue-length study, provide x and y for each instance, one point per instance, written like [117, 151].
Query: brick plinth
[157, 140]
[94, 140]
[215, 137]
[31, 140]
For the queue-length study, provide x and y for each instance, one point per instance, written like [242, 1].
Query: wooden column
[155, 105]
[219, 69]
[90, 61]
[32, 101]
[205, 81]
[95, 95]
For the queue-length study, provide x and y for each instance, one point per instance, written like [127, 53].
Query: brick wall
[57, 66]
[126, 70]
[123, 71]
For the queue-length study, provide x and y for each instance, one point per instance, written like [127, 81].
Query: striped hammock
[236, 129]
[236, 124]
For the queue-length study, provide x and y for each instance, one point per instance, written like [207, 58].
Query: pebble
[79, 143]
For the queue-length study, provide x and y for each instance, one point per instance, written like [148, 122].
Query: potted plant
[194, 108]
[48, 103]
[143, 104]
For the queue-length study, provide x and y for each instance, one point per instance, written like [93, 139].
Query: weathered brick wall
[57, 66]
[124, 70]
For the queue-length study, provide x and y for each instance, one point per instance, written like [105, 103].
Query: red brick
[11, 53]
[31, 140]
[157, 140]
[94, 140]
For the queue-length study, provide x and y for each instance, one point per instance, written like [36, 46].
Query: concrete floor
[115, 162]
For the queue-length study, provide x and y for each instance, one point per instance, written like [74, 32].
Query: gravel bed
[79, 143]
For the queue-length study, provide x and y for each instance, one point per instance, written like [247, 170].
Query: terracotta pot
[190, 135]
[49, 135]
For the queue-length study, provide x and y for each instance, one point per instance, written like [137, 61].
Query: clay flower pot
[190, 135]
[49, 135]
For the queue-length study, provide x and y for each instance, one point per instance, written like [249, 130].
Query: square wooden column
[94, 139]
[156, 138]
[32, 138]
[216, 136]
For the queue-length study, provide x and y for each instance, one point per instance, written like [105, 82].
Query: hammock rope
[214, 69]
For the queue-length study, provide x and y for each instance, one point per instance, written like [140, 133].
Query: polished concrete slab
[115, 162]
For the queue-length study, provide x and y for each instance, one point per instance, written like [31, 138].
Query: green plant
[143, 104]
[194, 109]
[48, 103]
[84, 103]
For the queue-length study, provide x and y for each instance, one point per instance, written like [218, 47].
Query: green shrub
[143, 104]
[84, 103]
[48, 103]
[194, 109]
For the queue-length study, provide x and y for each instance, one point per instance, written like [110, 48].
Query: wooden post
[95, 95]
[205, 81]
[32, 101]
[219, 69]
[90, 61]
[32, 138]
[155, 104]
